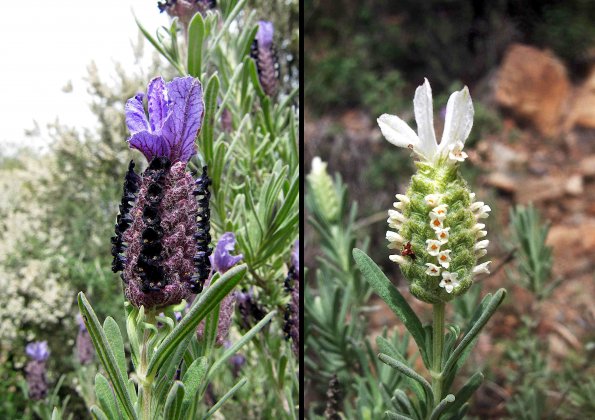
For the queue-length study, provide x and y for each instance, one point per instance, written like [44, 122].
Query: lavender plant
[439, 241]
[163, 230]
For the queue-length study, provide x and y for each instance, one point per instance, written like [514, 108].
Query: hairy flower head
[162, 232]
[436, 223]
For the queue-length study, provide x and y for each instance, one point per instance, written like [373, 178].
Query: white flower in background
[457, 126]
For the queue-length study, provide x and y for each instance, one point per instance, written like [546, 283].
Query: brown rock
[502, 182]
[540, 189]
[587, 166]
[574, 185]
[582, 112]
[533, 84]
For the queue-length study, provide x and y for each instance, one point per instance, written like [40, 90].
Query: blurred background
[530, 68]
[68, 68]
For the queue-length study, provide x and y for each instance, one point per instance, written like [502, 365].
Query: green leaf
[173, 404]
[205, 303]
[396, 416]
[238, 344]
[219, 403]
[106, 355]
[196, 34]
[105, 397]
[255, 80]
[192, 379]
[393, 298]
[441, 407]
[97, 413]
[114, 338]
[207, 131]
[461, 351]
[407, 371]
[466, 392]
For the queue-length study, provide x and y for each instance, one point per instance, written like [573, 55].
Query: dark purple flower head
[222, 260]
[38, 350]
[175, 117]
[162, 232]
[36, 380]
[250, 310]
[185, 9]
[265, 56]
[292, 286]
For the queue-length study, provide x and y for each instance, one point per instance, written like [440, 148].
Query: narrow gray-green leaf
[396, 416]
[196, 34]
[205, 303]
[393, 298]
[192, 379]
[105, 397]
[97, 413]
[407, 371]
[219, 403]
[105, 354]
[173, 404]
[238, 344]
[114, 338]
[466, 392]
[442, 406]
[489, 310]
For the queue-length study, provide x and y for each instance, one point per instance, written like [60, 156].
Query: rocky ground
[544, 154]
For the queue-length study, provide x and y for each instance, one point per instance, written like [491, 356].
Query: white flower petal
[403, 198]
[482, 244]
[481, 268]
[399, 259]
[424, 117]
[397, 132]
[394, 237]
[458, 120]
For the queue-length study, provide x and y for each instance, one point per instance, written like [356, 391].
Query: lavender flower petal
[157, 104]
[222, 260]
[264, 36]
[150, 145]
[38, 350]
[136, 119]
[182, 126]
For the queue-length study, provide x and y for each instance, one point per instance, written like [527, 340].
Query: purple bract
[221, 259]
[264, 36]
[175, 111]
[38, 350]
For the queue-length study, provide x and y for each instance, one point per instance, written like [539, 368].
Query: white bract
[457, 126]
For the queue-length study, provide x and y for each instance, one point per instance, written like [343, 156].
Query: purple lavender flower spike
[35, 370]
[222, 260]
[175, 117]
[265, 56]
[292, 318]
[225, 315]
[38, 350]
[162, 232]
[250, 310]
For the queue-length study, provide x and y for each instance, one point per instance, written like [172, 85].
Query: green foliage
[533, 256]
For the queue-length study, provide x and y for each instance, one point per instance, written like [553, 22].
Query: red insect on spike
[407, 251]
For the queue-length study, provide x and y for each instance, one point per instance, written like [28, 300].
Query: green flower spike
[438, 234]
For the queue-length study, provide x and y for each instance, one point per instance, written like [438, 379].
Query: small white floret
[433, 200]
[433, 247]
[449, 281]
[481, 268]
[455, 152]
[399, 259]
[394, 237]
[482, 244]
[433, 270]
[442, 234]
[403, 198]
[444, 258]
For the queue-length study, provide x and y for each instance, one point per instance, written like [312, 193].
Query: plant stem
[437, 348]
[144, 365]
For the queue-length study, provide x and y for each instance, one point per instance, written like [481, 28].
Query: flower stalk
[437, 349]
